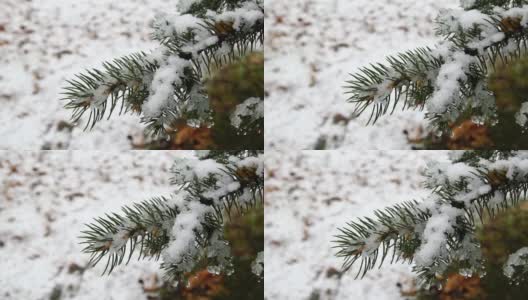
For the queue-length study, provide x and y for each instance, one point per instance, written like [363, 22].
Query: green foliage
[232, 85]
[127, 89]
[408, 73]
[504, 234]
[397, 240]
[246, 235]
[145, 230]
[509, 83]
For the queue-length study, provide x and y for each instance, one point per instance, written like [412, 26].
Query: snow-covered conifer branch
[381, 86]
[141, 224]
[441, 229]
[488, 5]
[452, 78]
[166, 85]
[391, 234]
[187, 227]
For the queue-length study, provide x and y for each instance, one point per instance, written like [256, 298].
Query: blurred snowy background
[309, 195]
[312, 45]
[43, 43]
[45, 200]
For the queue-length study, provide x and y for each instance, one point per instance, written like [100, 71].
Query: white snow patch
[519, 258]
[522, 116]
[252, 108]
[165, 79]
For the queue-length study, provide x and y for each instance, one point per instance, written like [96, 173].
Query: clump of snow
[371, 244]
[100, 95]
[457, 20]
[248, 196]
[515, 168]
[220, 250]
[522, 115]
[440, 173]
[257, 267]
[383, 90]
[516, 260]
[162, 86]
[252, 108]
[206, 167]
[443, 173]
[180, 24]
[187, 170]
[227, 184]
[467, 3]
[119, 240]
[256, 163]
[182, 247]
[157, 56]
[435, 234]
[182, 171]
[448, 82]
[185, 5]
[243, 17]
